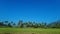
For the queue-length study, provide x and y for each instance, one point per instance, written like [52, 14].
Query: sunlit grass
[36, 30]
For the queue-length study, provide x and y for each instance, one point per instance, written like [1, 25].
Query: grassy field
[28, 31]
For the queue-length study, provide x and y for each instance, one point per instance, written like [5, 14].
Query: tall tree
[9, 25]
[20, 23]
[14, 25]
[1, 24]
[29, 24]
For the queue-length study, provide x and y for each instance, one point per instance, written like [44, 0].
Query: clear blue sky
[30, 10]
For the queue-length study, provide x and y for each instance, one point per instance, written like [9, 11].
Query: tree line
[29, 24]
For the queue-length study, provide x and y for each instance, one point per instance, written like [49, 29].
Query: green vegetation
[7, 27]
[30, 30]
[29, 24]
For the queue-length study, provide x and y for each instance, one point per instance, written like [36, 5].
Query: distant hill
[55, 24]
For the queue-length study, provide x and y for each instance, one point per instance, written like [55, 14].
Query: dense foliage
[29, 24]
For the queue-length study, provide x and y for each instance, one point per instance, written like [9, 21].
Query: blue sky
[30, 10]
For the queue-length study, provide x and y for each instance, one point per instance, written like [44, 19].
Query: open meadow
[28, 31]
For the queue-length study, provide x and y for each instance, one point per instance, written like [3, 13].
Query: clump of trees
[29, 24]
[7, 24]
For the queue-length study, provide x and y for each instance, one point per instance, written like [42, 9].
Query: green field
[28, 31]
